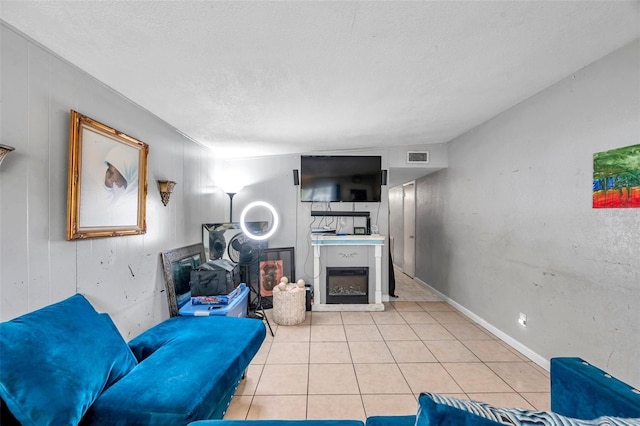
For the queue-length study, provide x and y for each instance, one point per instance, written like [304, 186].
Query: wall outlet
[523, 319]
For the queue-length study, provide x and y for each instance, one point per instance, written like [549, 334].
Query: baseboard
[524, 350]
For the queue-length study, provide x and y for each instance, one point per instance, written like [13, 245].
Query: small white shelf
[347, 240]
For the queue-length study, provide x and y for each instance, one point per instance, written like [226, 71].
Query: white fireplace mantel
[318, 241]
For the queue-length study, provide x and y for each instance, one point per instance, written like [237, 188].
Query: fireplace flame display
[347, 285]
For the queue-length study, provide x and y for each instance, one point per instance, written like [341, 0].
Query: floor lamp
[231, 194]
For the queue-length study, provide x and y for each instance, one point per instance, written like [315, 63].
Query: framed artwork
[177, 265]
[270, 275]
[276, 263]
[616, 178]
[107, 181]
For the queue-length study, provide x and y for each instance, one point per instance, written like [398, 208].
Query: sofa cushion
[58, 359]
[441, 410]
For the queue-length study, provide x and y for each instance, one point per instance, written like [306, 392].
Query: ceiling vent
[418, 157]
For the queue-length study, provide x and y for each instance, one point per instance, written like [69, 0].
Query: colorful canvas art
[616, 178]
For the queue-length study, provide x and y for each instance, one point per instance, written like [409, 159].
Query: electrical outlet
[522, 320]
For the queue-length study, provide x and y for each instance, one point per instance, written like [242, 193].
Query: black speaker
[296, 177]
[384, 177]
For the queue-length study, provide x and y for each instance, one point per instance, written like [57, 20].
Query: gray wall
[119, 275]
[509, 226]
[271, 179]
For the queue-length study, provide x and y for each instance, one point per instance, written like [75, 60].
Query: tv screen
[333, 178]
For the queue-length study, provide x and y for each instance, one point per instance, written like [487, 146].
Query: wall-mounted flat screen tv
[335, 178]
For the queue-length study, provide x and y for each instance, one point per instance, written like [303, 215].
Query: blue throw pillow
[441, 410]
[58, 359]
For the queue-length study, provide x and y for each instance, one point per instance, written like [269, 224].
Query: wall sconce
[4, 150]
[166, 188]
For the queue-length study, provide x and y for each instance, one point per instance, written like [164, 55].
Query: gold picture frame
[107, 181]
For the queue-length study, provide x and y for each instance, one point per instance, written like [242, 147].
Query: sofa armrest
[582, 391]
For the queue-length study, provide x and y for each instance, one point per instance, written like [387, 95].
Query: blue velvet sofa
[66, 364]
[581, 395]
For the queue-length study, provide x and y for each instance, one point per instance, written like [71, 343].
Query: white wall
[271, 179]
[509, 226]
[120, 275]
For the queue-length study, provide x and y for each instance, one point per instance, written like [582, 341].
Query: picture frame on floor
[276, 263]
[270, 275]
[177, 265]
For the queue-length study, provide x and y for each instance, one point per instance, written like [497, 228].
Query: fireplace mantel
[319, 241]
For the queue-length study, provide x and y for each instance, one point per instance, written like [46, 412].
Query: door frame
[409, 228]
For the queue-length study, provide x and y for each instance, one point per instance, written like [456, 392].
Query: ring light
[274, 225]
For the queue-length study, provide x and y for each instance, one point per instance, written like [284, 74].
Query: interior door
[409, 228]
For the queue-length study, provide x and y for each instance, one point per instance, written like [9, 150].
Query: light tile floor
[358, 364]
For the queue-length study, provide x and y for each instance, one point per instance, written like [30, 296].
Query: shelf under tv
[339, 213]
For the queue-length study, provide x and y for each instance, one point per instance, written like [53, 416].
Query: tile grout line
[399, 309]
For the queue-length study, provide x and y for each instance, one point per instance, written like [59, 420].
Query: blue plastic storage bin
[237, 307]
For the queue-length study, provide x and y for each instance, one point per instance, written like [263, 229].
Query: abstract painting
[616, 178]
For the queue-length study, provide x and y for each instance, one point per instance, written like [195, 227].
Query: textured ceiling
[267, 78]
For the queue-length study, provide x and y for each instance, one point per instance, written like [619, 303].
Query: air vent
[418, 157]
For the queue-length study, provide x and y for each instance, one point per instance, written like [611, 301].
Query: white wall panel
[38, 195]
[14, 173]
[119, 275]
[62, 95]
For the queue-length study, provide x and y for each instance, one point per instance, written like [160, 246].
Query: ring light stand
[259, 309]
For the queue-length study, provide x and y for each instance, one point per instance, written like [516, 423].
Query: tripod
[255, 309]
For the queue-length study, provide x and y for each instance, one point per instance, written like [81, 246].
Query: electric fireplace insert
[347, 285]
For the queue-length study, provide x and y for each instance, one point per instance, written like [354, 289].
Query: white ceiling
[252, 78]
